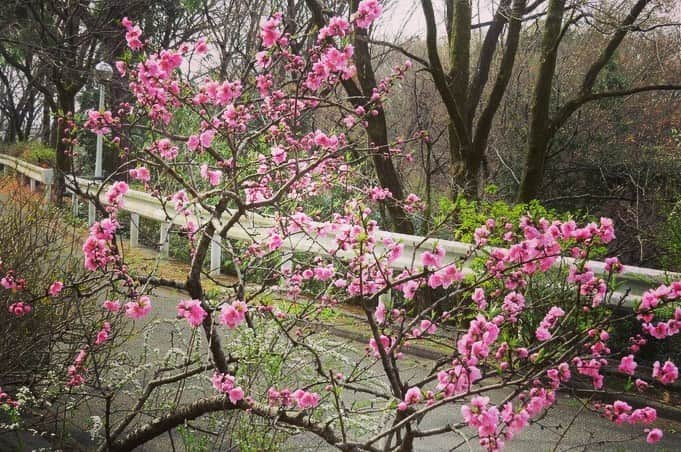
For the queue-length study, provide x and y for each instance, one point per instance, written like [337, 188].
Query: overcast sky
[404, 18]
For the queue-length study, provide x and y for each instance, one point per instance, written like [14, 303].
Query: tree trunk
[377, 132]
[45, 124]
[463, 167]
[539, 134]
[67, 103]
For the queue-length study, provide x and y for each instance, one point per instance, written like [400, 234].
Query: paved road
[586, 427]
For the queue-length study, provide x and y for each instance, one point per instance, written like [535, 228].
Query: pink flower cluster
[549, 321]
[103, 334]
[285, 398]
[212, 176]
[627, 365]
[411, 397]
[474, 346]
[99, 123]
[270, 32]
[192, 311]
[457, 380]
[233, 315]
[224, 383]
[621, 412]
[140, 173]
[485, 417]
[11, 282]
[55, 288]
[666, 373]
[115, 194]
[76, 371]
[139, 308]
[133, 34]
[367, 12]
[20, 308]
[337, 27]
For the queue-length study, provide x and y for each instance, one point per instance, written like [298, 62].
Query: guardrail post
[165, 240]
[134, 230]
[74, 204]
[91, 217]
[215, 254]
[31, 184]
[48, 192]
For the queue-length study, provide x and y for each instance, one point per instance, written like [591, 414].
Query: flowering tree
[530, 318]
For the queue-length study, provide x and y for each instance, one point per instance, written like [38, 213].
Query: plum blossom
[213, 176]
[112, 305]
[627, 365]
[225, 383]
[654, 436]
[233, 315]
[305, 400]
[667, 374]
[367, 12]
[55, 288]
[269, 30]
[192, 311]
[20, 308]
[138, 309]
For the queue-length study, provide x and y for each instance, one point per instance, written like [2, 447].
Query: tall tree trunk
[539, 134]
[463, 169]
[486, 119]
[45, 124]
[67, 103]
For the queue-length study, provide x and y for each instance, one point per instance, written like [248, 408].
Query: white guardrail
[636, 280]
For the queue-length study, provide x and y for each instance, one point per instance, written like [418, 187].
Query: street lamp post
[103, 74]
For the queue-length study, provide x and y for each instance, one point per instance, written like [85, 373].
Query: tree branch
[439, 77]
[570, 107]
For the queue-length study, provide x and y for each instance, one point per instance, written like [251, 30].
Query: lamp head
[103, 72]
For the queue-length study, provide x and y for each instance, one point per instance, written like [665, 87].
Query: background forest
[572, 103]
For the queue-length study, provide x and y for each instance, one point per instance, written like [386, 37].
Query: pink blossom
[225, 383]
[433, 259]
[192, 311]
[206, 138]
[112, 305]
[103, 334]
[278, 155]
[667, 373]
[412, 396]
[140, 173]
[193, 142]
[213, 176]
[233, 315]
[367, 12]
[380, 313]
[479, 298]
[20, 308]
[305, 399]
[200, 47]
[138, 309]
[613, 265]
[654, 436]
[55, 288]
[269, 30]
[627, 365]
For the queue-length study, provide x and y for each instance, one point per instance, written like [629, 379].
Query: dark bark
[67, 104]
[377, 129]
[543, 126]
[484, 124]
[538, 135]
[461, 92]
[459, 73]
[148, 431]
